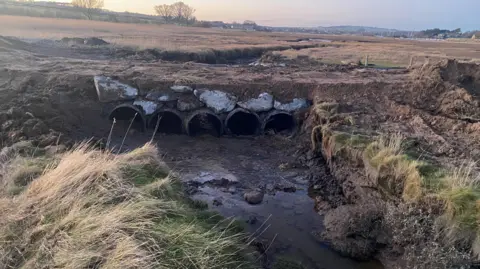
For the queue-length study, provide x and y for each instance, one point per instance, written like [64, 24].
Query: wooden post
[411, 62]
[366, 60]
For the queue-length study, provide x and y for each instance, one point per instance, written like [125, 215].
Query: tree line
[178, 12]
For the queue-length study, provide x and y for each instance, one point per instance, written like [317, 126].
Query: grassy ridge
[93, 209]
[404, 179]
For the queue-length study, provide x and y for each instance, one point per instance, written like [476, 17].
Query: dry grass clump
[390, 168]
[99, 210]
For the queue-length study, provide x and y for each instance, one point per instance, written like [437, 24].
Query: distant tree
[178, 12]
[165, 11]
[183, 12]
[88, 7]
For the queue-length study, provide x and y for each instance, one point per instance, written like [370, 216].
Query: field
[290, 134]
[382, 51]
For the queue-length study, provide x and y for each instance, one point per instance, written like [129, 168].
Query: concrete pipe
[124, 113]
[203, 121]
[171, 121]
[243, 122]
[278, 121]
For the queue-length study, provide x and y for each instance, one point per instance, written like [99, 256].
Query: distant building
[475, 36]
[217, 24]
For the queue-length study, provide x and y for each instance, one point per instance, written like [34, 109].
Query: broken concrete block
[109, 90]
[218, 101]
[294, 105]
[148, 106]
[181, 89]
[263, 103]
[162, 96]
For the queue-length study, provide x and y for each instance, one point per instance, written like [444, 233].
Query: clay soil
[47, 95]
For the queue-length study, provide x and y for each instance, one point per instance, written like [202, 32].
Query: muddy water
[246, 164]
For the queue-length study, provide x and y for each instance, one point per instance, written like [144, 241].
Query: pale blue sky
[400, 14]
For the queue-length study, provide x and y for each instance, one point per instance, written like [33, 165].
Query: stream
[220, 170]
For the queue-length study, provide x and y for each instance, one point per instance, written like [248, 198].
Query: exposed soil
[48, 96]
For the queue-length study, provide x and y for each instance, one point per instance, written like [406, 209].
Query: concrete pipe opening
[279, 122]
[125, 113]
[242, 122]
[171, 122]
[202, 122]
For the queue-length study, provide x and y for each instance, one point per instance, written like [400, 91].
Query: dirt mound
[41, 107]
[90, 41]
[12, 43]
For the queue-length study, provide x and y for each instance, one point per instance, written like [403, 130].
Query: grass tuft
[94, 209]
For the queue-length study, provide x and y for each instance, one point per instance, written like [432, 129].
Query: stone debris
[214, 178]
[181, 89]
[254, 197]
[263, 103]
[148, 106]
[162, 96]
[296, 104]
[109, 90]
[218, 101]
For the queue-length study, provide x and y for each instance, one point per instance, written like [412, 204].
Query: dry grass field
[342, 48]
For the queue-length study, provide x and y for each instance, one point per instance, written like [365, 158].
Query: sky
[398, 14]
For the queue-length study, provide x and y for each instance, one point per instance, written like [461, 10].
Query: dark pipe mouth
[171, 122]
[242, 122]
[123, 114]
[203, 122]
[279, 122]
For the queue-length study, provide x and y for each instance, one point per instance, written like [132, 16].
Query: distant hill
[358, 29]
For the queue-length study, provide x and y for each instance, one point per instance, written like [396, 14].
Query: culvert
[279, 122]
[203, 121]
[242, 122]
[125, 113]
[171, 121]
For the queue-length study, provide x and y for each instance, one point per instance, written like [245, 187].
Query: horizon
[409, 15]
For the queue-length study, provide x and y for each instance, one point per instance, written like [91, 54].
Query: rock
[162, 96]
[270, 188]
[253, 197]
[220, 182]
[296, 104]
[217, 202]
[109, 90]
[352, 230]
[232, 190]
[285, 186]
[148, 107]
[215, 178]
[188, 103]
[263, 103]
[33, 128]
[252, 220]
[181, 89]
[218, 101]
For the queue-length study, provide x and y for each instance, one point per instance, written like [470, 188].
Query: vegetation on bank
[85, 208]
[427, 206]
